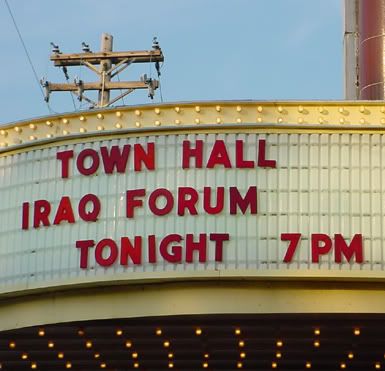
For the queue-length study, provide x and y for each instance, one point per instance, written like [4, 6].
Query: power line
[26, 51]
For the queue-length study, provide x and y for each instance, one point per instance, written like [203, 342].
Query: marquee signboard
[193, 205]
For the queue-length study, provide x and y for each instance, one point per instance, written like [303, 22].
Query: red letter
[140, 156]
[250, 199]
[64, 157]
[134, 252]
[92, 215]
[188, 152]
[294, 239]
[42, 208]
[151, 249]
[219, 155]
[25, 216]
[219, 238]
[176, 251]
[84, 247]
[262, 162]
[115, 159]
[189, 203]
[200, 246]
[131, 202]
[317, 249]
[89, 152]
[342, 248]
[64, 211]
[207, 200]
[109, 244]
[240, 162]
[168, 205]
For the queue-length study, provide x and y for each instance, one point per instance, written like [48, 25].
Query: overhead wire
[26, 52]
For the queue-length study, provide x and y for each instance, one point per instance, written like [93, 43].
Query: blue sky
[214, 49]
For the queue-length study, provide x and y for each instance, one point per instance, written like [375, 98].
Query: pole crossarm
[77, 59]
[111, 85]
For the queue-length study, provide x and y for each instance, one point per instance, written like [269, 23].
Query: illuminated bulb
[170, 365]
[12, 345]
[300, 120]
[382, 121]
[136, 365]
[259, 109]
[137, 112]
[137, 124]
[357, 331]
[65, 132]
[2, 144]
[103, 365]
[321, 110]
[18, 129]
[99, 116]
[197, 121]
[239, 108]
[350, 355]
[280, 119]
[33, 365]
[51, 344]
[134, 355]
[274, 365]
[280, 109]
[242, 355]
[377, 366]
[60, 355]
[362, 109]
[118, 126]
[237, 331]
[100, 128]
[49, 123]
[241, 343]
[128, 344]
[218, 108]
[32, 137]
[88, 344]
[158, 331]
[219, 120]
[317, 331]
[96, 355]
[343, 365]
[177, 109]
[316, 343]
[83, 130]
[49, 135]
[177, 122]
[24, 356]
[321, 120]
[118, 114]
[3, 133]
[198, 331]
[342, 120]
[32, 126]
[166, 344]
[170, 355]
[65, 121]
[278, 355]
[362, 121]
[383, 109]
[308, 365]
[239, 120]
[279, 343]
[259, 119]
[300, 109]
[82, 118]
[206, 355]
[68, 365]
[157, 123]
[157, 111]
[341, 110]
[239, 365]
[197, 109]
[205, 365]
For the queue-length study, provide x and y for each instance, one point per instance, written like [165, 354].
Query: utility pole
[106, 64]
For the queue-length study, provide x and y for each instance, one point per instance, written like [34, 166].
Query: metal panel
[323, 183]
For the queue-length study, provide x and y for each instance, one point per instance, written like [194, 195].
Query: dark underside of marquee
[216, 342]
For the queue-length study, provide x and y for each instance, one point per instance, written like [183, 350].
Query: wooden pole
[105, 66]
